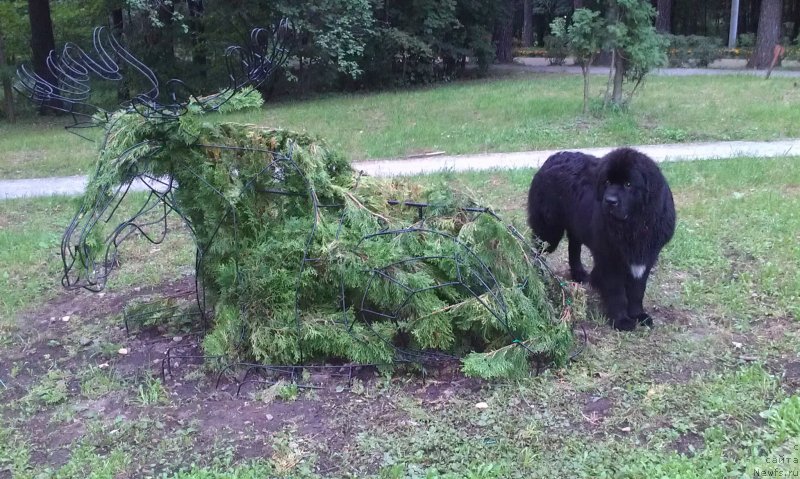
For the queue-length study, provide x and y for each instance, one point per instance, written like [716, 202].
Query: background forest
[358, 44]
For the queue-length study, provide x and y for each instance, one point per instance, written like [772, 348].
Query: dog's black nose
[612, 200]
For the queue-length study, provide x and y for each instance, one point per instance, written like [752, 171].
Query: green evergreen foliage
[304, 261]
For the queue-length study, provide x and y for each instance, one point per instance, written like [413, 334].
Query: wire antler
[73, 70]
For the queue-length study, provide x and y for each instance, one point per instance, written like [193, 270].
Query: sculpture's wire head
[72, 71]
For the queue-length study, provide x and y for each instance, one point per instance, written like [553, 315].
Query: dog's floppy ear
[650, 177]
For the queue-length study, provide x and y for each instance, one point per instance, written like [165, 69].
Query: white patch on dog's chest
[637, 270]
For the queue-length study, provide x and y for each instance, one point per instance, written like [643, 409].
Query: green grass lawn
[521, 112]
[710, 392]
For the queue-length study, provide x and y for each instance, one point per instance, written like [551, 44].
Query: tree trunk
[118, 29]
[541, 27]
[752, 24]
[769, 33]
[503, 34]
[796, 20]
[117, 22]
[619, 72]
[8, 92]
[527, 23]
[197, 29]
[166, 14]
[607, 97]
[585, 70]
[617, 60]
[664, 18]
[42, 43]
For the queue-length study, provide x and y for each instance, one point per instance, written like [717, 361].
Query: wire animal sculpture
[89, 255]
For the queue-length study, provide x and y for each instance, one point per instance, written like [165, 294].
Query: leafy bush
[556, 49]
[793, 53]
[747, 40]
[693, 50]
[737, 53]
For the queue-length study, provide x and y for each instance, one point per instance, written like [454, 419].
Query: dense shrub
[747, 40]
[693, 50]
[531, 52]
[556, 49]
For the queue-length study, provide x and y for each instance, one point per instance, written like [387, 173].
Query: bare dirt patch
[688, 444]
[596, 409]
[89, 305]
[324, 420]
[791, 377]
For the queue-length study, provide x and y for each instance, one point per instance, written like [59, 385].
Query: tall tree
[197, 29]
[5, 78]
[795, 19]
[753, 16]
[527, 23]
[664, 18]
[504, 33]
[42, 40]
[768, 35]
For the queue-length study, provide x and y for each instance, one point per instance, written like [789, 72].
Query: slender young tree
[584, 38]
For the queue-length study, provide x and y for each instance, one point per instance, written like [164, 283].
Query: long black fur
[619, 206]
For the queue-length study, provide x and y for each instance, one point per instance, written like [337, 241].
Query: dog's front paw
[625, 323]
[644, 319]
[579, 275]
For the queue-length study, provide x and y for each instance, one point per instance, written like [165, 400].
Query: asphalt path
[75, 185]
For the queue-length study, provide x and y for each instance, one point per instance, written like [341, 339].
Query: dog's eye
[627, 184]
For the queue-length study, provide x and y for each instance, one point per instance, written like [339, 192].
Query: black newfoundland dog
[619, 206]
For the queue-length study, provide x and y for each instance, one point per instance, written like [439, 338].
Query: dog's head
[623, 183]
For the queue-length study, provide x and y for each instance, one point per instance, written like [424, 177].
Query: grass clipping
[303, 261]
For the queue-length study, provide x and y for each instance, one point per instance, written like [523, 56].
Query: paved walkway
[74, 185]
[540, 65]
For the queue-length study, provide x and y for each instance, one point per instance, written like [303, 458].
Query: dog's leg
[634, 288]
[576, 269]
[611, 285]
